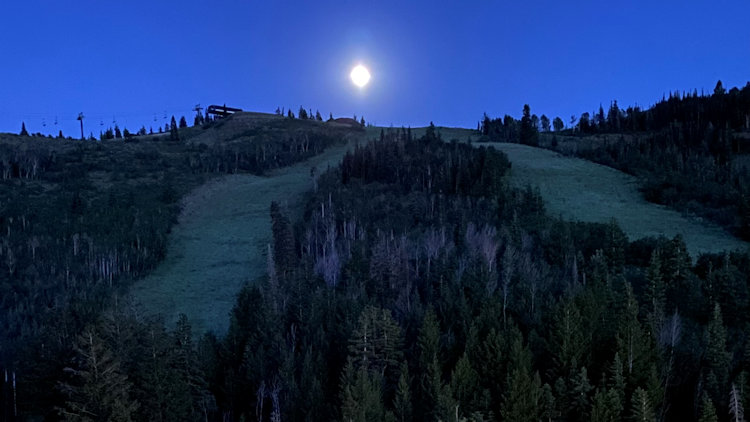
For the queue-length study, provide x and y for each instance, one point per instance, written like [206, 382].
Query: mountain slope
[221, 242]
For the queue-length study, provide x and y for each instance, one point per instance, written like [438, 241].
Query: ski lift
[55, 120]
[44, 123]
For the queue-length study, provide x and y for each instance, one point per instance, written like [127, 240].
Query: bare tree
[484, 242]
[509, 259]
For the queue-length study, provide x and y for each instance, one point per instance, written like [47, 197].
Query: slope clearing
[578, 189]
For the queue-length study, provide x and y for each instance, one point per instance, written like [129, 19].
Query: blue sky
[446, 62]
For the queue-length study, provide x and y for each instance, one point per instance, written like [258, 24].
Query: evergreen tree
[601, 122]
[118, 133]
[584, 123]
[528, 134]
[464, 384]
[23, 130]
[719, 89]
[376, 342]
[361, 396]
[435, 402]
[290, 114]
[580, 402]
[640, 407]
[568, 344]
[402, 402]
[524, 391]
[632, 342]
[656, 291]
[318, 117]
[302, 113]
[617, 379]
[99, 391]
[613, 117]
[174, 134]
[708, 410]
[717, 359]
[60, 135]
[183, 122]
[330, 117]
[283, 241]
[607, 406]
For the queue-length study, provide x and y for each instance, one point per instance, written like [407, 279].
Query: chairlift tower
[80, 118]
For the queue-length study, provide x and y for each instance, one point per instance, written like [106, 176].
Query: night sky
[135, 61]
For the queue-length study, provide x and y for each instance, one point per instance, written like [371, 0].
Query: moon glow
[360, 76]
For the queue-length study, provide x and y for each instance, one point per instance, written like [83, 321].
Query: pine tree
[717, 359]
[567, 340]
[632, 341]
[402, 402]
[528, 132]
[607, 406]
[656, 292]
[118, 133]
[183, 122]
[579, 399]
[640, 407]
[617, 379]
[318, 117]
[99, 391]
[708, 410]
[434, 397]
[464, 384]
[549, 408]
[524, 392]
[361, 396]
[719, 89]
[174, 134]
[23, 130]
[302, 113]
[283, 241]
[376, 342]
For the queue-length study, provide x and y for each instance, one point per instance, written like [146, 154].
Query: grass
[577, 189]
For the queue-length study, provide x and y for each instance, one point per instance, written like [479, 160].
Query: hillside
[220, 242]
[581, 190]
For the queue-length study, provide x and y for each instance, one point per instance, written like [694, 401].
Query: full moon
[360, 76]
